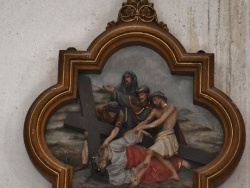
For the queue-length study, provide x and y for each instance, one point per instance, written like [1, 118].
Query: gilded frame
[155, 35]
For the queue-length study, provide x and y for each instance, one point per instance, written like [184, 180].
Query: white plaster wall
[32, 32]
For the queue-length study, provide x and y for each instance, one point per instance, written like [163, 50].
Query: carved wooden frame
[136, 25]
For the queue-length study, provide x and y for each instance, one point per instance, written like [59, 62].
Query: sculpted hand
[138, 129]
[108, 88]
[105, 144]
[145, 133]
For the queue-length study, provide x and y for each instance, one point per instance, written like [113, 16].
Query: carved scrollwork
[137, 11]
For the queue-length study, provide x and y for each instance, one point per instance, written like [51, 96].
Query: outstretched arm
[108, 88]
[149, 119]
[159, 121]
[111, 136]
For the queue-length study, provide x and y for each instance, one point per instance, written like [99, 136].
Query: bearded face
[103, 163]
[128, 81]
[143, 99]
[104, 159]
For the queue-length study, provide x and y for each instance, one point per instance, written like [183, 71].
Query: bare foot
[185, 164]
[142, 167]
[135, 183]
[175, 177]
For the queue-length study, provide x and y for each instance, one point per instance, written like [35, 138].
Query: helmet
[142, 89]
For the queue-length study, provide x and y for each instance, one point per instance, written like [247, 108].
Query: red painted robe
[156, 172]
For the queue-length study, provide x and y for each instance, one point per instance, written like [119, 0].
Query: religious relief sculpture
[140, 108]
[124, 169]
[134, 110]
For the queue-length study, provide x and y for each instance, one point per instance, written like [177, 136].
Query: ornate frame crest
[137, 24]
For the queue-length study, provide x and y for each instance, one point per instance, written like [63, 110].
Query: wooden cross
[86, 120]
[195, 155]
